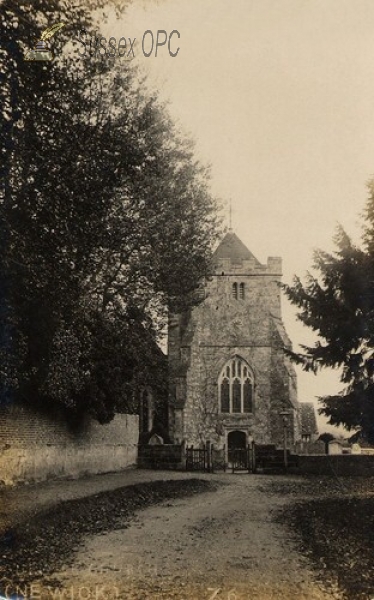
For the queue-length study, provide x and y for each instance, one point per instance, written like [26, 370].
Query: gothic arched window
[235, 387]
[225, 395]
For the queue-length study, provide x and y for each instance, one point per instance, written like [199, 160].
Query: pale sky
[279, 97]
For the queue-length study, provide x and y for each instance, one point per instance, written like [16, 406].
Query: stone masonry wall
[221, 327]
[35, 448]
[201, 415]
[200, 345]
[282, 394]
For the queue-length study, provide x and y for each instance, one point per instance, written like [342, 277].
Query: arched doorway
[236, 439]
[237, 449]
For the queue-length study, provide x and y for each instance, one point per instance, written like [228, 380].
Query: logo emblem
[42, 50]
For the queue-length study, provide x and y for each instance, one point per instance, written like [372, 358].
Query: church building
[230, 381]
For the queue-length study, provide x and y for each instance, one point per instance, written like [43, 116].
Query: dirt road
[224, 544]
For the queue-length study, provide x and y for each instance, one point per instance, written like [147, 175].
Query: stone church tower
[230, 380]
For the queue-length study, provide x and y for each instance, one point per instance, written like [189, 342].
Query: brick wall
[35, 448]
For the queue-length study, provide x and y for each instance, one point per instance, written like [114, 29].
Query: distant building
[230, 381]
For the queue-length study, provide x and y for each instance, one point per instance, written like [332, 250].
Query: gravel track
[225, 545]
[230, 537]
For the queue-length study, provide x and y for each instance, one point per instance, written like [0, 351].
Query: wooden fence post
[208, 455]
[184, 453]
[253, 457]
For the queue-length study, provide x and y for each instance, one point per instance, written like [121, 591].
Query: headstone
[155, 440]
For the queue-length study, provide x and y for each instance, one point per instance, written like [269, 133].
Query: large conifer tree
[338, 304]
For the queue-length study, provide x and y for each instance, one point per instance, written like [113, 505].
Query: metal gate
[196, 459]
[211, 459]
[241, 459]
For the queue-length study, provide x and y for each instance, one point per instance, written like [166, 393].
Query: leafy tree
[106, 219]
[338, 304]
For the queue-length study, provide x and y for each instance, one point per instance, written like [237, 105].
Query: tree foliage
[338, 304]
[106, 219]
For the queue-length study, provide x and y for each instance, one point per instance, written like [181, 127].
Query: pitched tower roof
[233, 248]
